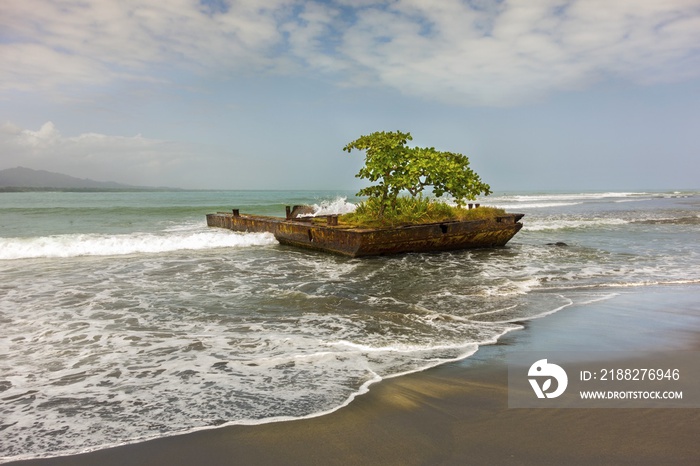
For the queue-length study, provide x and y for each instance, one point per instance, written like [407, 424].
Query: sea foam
[73, 245]
[337, 206]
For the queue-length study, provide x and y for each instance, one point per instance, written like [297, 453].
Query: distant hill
[26, 179]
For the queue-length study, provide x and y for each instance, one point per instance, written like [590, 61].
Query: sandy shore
[458, 413]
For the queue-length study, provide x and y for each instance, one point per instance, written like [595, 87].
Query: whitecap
[74, 245]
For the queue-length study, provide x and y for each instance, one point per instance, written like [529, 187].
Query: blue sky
[225, 94]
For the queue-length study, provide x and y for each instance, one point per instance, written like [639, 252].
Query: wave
[535, 205]
[73, 245]
[671, 221]
[542, 224]
[561, 224]
[637, 284]
[558, 197]
[337, 206]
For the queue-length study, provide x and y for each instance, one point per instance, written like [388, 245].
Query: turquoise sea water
[124, 317]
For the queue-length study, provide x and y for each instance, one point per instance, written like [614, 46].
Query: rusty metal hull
[356, 242]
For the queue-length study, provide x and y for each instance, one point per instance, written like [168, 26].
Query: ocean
[123, 317]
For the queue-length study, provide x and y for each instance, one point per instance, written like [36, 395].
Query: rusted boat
[324, 233]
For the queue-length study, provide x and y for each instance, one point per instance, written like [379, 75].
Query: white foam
[638, 284]
[632, 200]
[543, 201]
[495, 311]
[512, 287]
[561, 224]
[568, 303]
[337, 206]
[395, 348]
[73, 245]
[597, 299]
[535, 205]
[572, 196]
[273, 366]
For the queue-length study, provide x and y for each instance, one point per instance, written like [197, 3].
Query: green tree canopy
[394, 168]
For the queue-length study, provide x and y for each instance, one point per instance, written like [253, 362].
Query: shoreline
[458, 412]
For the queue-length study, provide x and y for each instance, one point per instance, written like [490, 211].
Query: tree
[396, 168]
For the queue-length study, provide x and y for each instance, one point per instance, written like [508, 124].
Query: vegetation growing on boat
[411, 211]
[395, 168]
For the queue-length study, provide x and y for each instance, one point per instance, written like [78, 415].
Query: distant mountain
[26, 179]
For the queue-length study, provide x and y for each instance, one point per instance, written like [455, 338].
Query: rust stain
[356, 242]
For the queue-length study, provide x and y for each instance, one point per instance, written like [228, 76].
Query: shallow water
[124, 317]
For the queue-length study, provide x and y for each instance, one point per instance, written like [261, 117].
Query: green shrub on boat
[412, 210]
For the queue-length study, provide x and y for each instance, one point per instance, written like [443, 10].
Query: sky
[541, 95]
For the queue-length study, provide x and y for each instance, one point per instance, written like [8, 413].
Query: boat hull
[360, 242]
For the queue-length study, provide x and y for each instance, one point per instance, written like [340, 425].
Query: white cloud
[133, 159]
[51, 44]
[464, 52]
[524, 49]
[47, 136]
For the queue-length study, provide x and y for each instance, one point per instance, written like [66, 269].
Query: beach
[458, 413]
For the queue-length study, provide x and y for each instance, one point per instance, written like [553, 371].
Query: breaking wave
[337, 206]
[73, 245]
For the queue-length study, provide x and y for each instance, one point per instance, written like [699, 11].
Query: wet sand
[458, 413]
